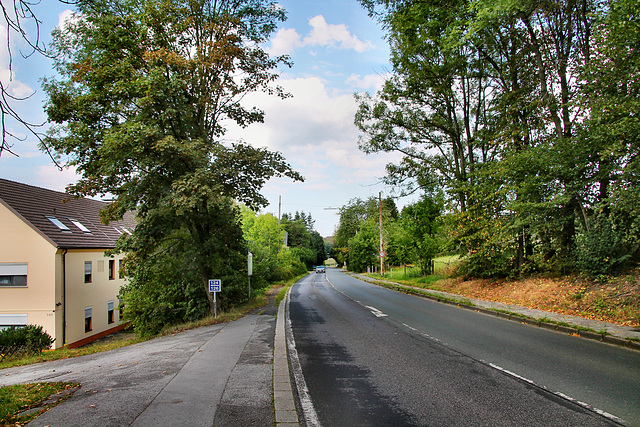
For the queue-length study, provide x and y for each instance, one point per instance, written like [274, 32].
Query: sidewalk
[217, 375]
[602, 331]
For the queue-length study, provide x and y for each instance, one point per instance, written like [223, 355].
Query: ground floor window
[110, 312]
[87, 319]
[7, 320]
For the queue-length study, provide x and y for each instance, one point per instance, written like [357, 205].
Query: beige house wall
[97, 294]
[44, 300]
[22, 244]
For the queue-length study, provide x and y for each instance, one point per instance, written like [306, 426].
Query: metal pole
[381, 247]
[279, 213]
[215, 306]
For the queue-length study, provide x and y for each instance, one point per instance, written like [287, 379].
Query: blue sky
[337, 50]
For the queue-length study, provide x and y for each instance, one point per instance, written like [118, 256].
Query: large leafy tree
[434, 106]
[146, 90]
[523, 112]
[357, 215]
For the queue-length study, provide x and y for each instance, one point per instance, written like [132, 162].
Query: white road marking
[559, 394]
[310, 414]
[376, 312]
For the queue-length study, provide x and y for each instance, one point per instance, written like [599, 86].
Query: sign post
[215, 286]
[249, 271]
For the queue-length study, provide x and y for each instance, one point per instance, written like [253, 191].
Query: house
[53, 267]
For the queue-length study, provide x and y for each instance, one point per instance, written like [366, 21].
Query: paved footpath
[218, 375]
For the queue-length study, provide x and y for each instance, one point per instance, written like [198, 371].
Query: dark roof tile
[35, 204]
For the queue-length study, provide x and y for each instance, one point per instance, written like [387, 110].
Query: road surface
[372, 356]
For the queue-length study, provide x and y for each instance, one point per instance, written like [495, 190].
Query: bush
[19, 340]
[601, 250]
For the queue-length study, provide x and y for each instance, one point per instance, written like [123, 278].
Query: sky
[337, 50]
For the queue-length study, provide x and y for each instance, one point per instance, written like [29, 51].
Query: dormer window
[57, 223]
[80, 225]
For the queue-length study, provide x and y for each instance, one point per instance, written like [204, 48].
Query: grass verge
[285, 287]
[18, 398]
[123, 339]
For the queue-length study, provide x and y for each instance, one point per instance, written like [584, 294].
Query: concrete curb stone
[283, 401]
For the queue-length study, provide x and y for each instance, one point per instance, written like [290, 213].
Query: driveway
[217, 375]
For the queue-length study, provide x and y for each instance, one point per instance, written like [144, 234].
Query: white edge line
[310, 414]
[560, 394]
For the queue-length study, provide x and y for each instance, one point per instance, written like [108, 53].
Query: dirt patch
[270, 309]
[614, 300]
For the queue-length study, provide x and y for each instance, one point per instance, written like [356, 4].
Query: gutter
[64, 296]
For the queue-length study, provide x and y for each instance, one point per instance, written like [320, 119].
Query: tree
[421, 222]
[433, 107]
[522, 112]
[353, 217]
[271, 260]
[307, 242]
[145, 91]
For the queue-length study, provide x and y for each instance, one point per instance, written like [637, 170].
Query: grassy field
[613, 299]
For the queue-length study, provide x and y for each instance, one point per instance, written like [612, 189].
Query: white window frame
[13, 319]
[13, 269]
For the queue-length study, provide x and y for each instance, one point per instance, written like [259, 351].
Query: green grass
[20, 397]
[123, 339]
[285, 287]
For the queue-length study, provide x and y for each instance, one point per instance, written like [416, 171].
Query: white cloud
[14, 87]
[65, 17]
[55, 178]
[315, 132]
[285, 41]
[322, 34]
[370, 81]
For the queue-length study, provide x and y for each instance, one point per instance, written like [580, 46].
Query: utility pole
[382, 254]
[279, 213]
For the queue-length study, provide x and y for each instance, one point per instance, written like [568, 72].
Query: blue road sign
[215, 285]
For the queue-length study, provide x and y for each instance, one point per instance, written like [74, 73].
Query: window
[120, 272]
[57, 223]
[7, 320]
[87, 272]
[13, 274]
[80, 226]
[112, 269]
[87, 319]
[110, 312]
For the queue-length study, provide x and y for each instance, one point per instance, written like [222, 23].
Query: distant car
[320, 269]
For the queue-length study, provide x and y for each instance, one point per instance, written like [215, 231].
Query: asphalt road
[372, 356]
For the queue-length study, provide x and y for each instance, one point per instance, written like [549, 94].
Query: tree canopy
[146, 91]
[524, 113]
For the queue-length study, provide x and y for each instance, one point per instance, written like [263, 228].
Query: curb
[424, 293]
[286, 414]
